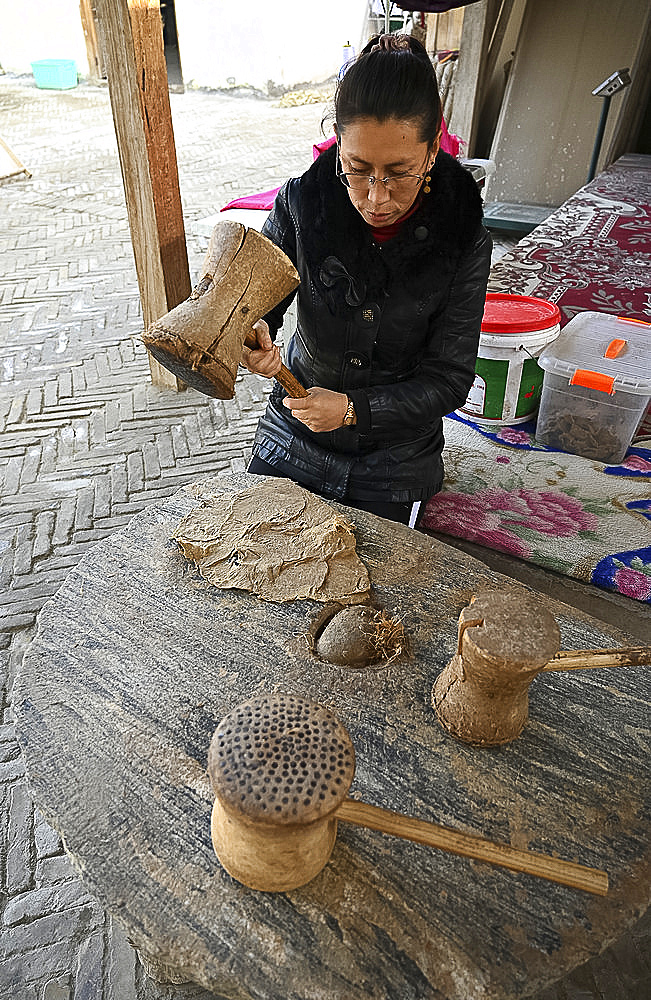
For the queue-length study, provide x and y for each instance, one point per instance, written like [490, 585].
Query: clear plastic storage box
[596, 387]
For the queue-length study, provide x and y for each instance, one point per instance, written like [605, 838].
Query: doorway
[97, 62]
[171, 44]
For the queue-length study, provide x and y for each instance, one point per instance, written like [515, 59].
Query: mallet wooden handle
[584, 659]
[468, 846]
[284, 376]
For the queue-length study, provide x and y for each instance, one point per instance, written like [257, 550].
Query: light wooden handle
[468, 846]
[293, 386]
[585, 659]
[284, 376]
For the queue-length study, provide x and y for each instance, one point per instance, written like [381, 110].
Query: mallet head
[244, 276]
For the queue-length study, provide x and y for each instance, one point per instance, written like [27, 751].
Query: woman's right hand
[265, 360]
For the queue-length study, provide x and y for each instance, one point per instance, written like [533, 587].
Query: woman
[386, 234]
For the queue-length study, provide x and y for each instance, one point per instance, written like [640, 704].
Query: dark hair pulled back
[393, 77]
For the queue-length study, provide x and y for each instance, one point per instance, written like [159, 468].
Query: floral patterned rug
[574, 515]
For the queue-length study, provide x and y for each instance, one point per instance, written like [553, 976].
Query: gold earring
[426, 187]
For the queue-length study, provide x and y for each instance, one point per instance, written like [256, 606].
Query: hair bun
[392, 43]
[403, 86]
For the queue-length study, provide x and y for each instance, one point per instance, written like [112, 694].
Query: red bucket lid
[518, 313]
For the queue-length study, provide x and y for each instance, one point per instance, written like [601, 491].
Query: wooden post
[478, 22]
[444, 30]
[90, 37]
[132, 41]
[499, 29]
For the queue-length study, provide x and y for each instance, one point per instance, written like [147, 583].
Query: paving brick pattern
[87, 442]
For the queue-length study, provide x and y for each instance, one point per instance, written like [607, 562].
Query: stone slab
[137, 659]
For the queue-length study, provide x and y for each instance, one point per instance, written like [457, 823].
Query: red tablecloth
[594, 252]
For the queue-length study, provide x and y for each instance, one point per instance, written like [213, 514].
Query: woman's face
[389, 148]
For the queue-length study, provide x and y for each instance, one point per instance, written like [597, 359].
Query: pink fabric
[449, 143]
[264, 200]
[320, 147]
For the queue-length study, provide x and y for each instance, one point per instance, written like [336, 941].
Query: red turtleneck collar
[384, 233]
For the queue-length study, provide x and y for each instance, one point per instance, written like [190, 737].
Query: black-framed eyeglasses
[362, 182]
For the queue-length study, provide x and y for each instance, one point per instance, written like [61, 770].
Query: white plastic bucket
[508, 380]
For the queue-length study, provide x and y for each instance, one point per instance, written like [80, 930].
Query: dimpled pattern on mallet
[281, 759]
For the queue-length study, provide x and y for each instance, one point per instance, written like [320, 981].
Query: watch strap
[350, 415]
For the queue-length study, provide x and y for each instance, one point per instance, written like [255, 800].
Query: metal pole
[387, 16]
[599, 138]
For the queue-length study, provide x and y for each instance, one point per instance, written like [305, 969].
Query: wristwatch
[350, 416]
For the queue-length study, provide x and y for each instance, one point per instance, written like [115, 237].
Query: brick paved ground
[87, 441]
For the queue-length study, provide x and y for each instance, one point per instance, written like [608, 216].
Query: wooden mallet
[504, 641]
[201, 340]
[281, 767]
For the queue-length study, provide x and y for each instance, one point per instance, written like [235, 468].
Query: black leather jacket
[395, 326]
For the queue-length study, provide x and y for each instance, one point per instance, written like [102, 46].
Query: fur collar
[333, 231]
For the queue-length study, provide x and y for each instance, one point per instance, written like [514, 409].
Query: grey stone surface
[382, 918]
[46, 840]
[75, 403]
[58, 989]
[122, 966]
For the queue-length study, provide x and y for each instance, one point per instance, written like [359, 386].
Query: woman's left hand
[321, 410]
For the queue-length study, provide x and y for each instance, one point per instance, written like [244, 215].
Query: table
[578, 517]
[591, 253]
[137, 658]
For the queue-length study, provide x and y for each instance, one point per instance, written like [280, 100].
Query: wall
[547, 126]
[37, 29]
[265, 44]
[221, 43]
